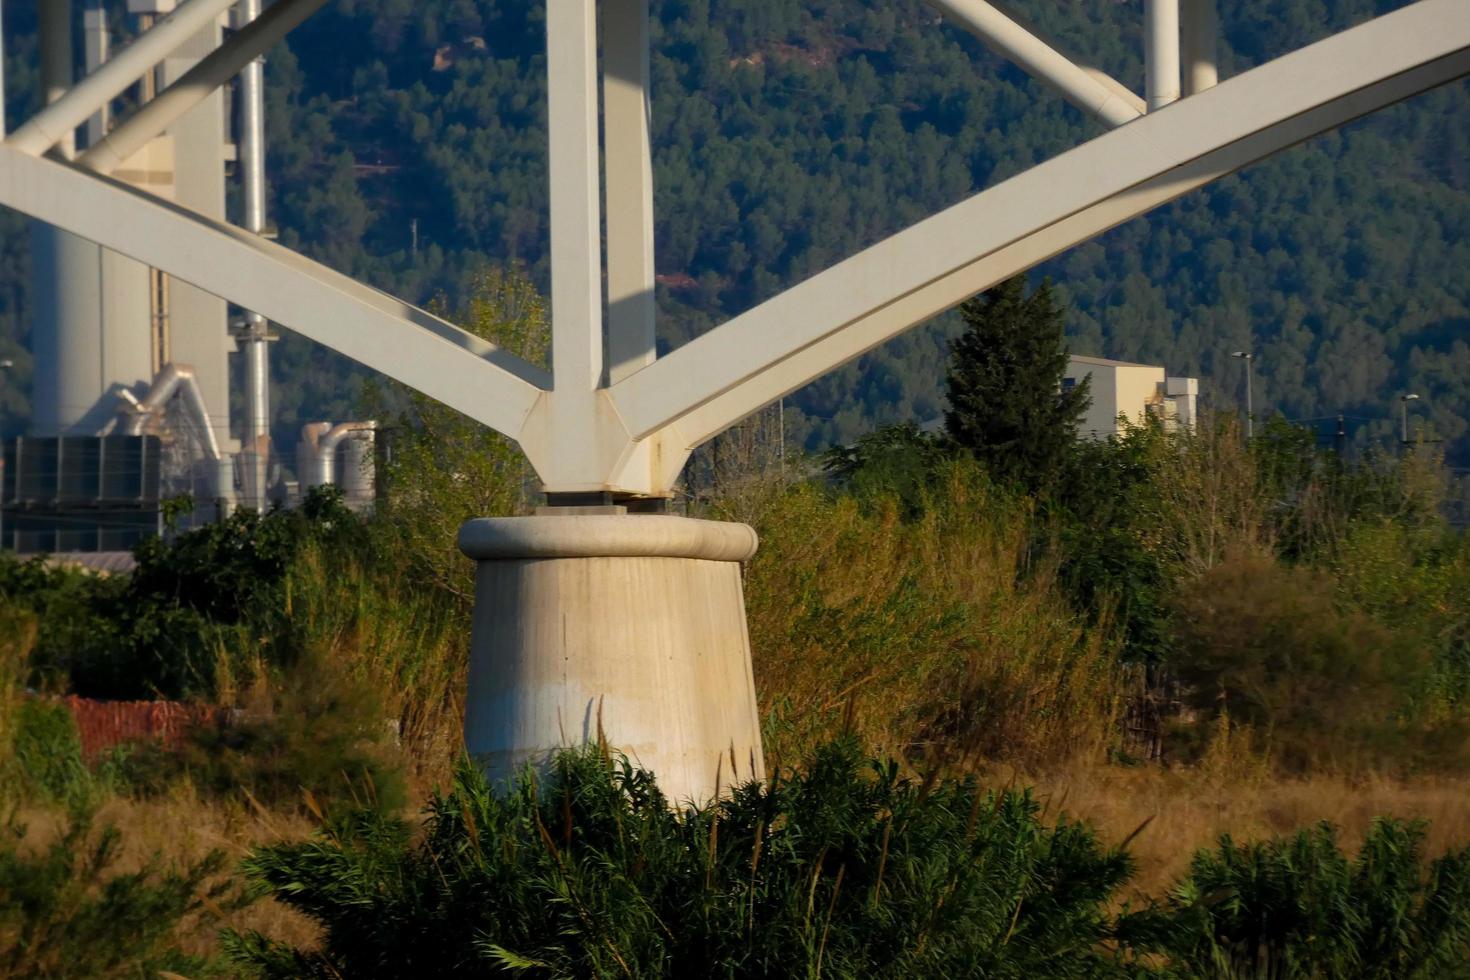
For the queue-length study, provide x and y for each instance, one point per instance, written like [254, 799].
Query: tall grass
[410, 645]
[936, 636]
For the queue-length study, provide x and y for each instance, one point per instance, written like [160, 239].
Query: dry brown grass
[181, 828]
[929, 629]
[1190, 809]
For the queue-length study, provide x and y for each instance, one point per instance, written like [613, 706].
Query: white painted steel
[1161, 53]
[2, 70]
[96, 42]
[199, 332]
[948, 291]
[53, 29]
[1318, 87]
[575, 421]
[629, 164]
[383, 333]
[236, 55]
[1015, 42]
[632, 627]
[89, 330]
[581, 437]
[1201, 31]
[52, 124]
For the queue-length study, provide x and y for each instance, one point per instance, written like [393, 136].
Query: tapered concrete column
[635, 623]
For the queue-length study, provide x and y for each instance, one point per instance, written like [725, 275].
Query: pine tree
[1006, 405]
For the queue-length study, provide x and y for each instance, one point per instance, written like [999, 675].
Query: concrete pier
[633, 622]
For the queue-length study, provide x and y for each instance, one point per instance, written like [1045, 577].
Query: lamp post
[1404, 410]
[1250, 412]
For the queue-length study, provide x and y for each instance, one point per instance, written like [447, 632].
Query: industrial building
[1133, 392]
[131, 396]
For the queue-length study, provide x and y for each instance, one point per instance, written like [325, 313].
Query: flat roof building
[1135, 392]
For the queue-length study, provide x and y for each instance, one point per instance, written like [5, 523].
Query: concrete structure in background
[1135, 392]
[611, 612]
[632, 626]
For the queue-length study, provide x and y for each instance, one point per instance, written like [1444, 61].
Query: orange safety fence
[104, 724]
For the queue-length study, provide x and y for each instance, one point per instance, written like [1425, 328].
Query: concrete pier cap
[631, 622]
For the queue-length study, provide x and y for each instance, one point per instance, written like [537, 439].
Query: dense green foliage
[843, 869]
[1300, 908]
[789, 134]
[1007, 405]
[158, 631]
[839, 870]
[67, 912]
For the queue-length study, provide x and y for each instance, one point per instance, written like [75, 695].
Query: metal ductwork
[136, 414]
[316, 458]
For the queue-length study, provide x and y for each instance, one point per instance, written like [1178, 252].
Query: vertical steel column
[54, 27]
[94, 33]
[576, 255]
[255, 338]
[1201, 27]
[629, 166]
[1161, 57]
[2, 69]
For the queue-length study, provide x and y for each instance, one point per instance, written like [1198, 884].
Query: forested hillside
[790, 133]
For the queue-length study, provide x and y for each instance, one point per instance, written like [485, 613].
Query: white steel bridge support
[612, 424]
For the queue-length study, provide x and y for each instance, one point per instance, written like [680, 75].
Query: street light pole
[1250, 409]
[1404, 406]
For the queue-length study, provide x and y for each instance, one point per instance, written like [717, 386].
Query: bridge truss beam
[610, 417]
[738, 368]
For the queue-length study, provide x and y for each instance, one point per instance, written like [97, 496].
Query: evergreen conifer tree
[1006, 404]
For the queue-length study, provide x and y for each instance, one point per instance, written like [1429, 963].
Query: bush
[1271, 645]
[64, 912]
[1299, 908]
[318, 740]
[199, 610]
[846, 870]
[48, 748]
[942, 630]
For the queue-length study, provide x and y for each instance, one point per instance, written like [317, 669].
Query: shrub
[1300, 908]
[846, 870]
[1271, 645]
[942, 630]
[64, 912]
[316, 740]
[48, 748]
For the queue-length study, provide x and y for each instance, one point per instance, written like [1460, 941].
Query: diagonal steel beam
[1347, 66]
[714, 417]
[1018, 43]
[51, 125]
[408, 344]
[198, 83]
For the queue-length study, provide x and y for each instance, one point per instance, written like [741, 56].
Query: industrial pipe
[326, 449]
[196, 85]
[1161, 56]
[255, 340]
[306, 454]
[52, 124]
[173, 379]
[1012, 41]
